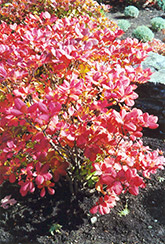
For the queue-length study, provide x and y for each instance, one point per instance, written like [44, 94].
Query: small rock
[93, 220]
[156, 63]
[6, 237]
[158, 77]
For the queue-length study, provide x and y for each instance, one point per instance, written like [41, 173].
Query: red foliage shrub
[67, 87]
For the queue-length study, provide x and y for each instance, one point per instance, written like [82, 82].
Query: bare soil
[30, 219]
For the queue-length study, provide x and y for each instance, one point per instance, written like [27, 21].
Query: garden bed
[31, 218]
[145, 15]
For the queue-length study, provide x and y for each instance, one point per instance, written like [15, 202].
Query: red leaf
[12, 178]
[31, 187]
[130, 126]
[104, 209]
[117, 187]
[106, 179]
[42, 193]
[94, 209]
[137, 181]
[16, 112]
[134, 190]
[51, 191]
[39, 180]
[42, 107]
[3, 72]
[44, 169]
[38, 166]
[19, 103]
[81, 141]
[33, 108]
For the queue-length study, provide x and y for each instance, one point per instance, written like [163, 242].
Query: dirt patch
[30, 219]
[144, 18]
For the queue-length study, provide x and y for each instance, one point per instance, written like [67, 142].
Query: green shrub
[131, 11]
[143, 33]
[158, 23]
[124, 24]
[161, 4]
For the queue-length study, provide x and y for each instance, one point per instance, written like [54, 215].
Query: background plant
[161, 4]
[66, 104]
[158, 23]
[143, 33]
[131, 11]
[139, 3]
[124, 24]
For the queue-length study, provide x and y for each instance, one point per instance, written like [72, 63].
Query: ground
[30, 220]
[144, 18]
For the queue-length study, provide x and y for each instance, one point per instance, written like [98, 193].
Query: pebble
[93, 220]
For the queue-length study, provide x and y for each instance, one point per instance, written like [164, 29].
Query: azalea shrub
[158, 46]
[67, 91]
[16, 11]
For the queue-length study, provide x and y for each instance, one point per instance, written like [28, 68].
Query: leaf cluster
[158, 23]
[124, 24]
[143, 33]
[131, 11]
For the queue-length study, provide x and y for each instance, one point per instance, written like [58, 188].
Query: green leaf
[55, 228]
[124, 212]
